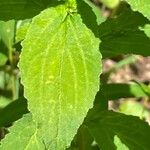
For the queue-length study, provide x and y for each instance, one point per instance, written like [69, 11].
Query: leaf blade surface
[132, 131]
[66, 68]
[23, 136]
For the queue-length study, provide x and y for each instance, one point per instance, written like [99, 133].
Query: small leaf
[97, 11]
[121, 90]
[23, 136]
[119, 144]
[13, 112]
[60, 68]
[3, 100]
[132, 131]
[84, 8]
[22, 31]
[23, 9]
[146, 29]
[7, 32]
[3, 59]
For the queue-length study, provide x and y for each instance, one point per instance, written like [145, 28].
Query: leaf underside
[23, 9]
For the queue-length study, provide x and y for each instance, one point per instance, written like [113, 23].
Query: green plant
[60, 66]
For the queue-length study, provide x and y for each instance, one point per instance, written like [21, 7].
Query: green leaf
[23, 9]
[120, 36]
[83, 139]
[3, 59]
[132, 131]
[119, 144]
[146, 29]
[7, 32]
[23, 136]
[22, 31]
[143, 6]
[87, 15]
[13, 112]
[60, 68]
[121, 90]
[95, 9]
[4, 101]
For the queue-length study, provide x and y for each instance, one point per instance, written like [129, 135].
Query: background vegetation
[121, 113]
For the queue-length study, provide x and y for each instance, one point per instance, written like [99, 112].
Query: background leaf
[7, 32]
[143, 6]
[23, 9]
[97, 11]
[3, 59]
[119, 144]
[132, 131]
[146, 29]
[114, 91]
[13, 112]
[22, 30]
[120, 36]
